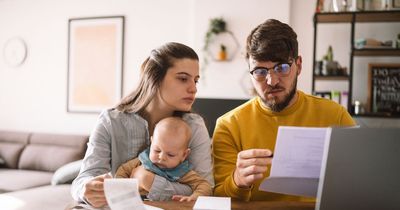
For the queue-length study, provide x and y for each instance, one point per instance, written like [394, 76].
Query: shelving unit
[353, 18]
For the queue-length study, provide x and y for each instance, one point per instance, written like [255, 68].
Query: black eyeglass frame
[274, 68]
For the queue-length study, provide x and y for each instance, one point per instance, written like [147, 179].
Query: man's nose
[272, 79]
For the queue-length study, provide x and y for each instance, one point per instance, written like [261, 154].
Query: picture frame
[384, 88]
[95, 63]
[396, 4]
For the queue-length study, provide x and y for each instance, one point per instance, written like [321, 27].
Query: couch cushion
[48, 152]
[12, 179]
[43, 198]
[11, 146]
[66, 173]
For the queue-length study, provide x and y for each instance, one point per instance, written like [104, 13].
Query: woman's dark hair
[272, 41]
[153, 71]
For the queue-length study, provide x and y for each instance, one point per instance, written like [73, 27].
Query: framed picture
[95, 61]
[384, 88]
[396, 4]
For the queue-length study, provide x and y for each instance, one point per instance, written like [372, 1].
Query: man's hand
[144, 177]
[250, 166]
[94, 191]
[182, 198]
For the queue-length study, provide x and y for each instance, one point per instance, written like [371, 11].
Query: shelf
[331, 77]
[376, 52]
[367, 16]
[376, 115]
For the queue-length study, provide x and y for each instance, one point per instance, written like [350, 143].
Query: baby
[166, 157]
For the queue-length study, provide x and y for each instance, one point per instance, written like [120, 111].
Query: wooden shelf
[377, 52]
[376, 115]
[331, 77]
[367, 16]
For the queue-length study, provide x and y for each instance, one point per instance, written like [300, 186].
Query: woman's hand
[144, 177]
[250, 166]
[94, 191]
[182, 198]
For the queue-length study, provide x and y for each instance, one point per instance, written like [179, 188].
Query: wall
[33, 96]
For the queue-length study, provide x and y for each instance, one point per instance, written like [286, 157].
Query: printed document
[122, 194]
[297, 160]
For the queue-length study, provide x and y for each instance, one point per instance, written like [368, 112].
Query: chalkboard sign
[384, 88]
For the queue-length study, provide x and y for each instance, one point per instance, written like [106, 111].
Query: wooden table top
[235, 205]
[238, 205]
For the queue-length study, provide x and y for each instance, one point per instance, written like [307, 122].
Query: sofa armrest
[66, 173]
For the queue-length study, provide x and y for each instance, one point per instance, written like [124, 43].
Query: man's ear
[186, 154]
[299, 62]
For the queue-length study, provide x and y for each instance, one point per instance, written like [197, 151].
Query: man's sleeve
[225, 154]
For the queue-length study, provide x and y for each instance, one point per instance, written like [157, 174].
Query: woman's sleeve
[200, 158]
[97, 158]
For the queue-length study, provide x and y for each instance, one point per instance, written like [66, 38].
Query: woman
[167, 88]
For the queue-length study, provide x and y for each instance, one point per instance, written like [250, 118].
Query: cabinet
[352, 18]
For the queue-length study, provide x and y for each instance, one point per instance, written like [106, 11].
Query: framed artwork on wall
[95, 62]
[384, 88]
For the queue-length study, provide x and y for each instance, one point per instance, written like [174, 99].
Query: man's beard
[278, 107]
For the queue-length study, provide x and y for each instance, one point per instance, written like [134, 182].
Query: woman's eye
[183, 79]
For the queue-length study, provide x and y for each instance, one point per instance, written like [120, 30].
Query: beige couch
[36, 169]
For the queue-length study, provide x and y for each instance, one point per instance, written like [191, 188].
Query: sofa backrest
[41, 151]
[11, 146]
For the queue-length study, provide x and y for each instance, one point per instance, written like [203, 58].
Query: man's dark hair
[272, 41]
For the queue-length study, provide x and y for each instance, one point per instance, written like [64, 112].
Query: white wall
[33, 96]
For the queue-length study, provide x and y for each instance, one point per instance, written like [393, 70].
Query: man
[244, 138]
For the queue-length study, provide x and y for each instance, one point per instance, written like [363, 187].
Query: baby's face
[167, 151]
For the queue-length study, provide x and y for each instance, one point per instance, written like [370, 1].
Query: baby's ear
[186, 154]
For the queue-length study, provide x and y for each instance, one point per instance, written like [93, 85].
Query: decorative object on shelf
[384, 88]
[95, 60]
[219, 41]
[372, 43]
[15, 52]
[398, 41]
[222, 53]
[328, 66]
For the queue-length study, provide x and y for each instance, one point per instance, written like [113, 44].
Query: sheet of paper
[122, 194]
[212, 203]
[297, 161]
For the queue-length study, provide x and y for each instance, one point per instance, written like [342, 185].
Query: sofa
[36, 169]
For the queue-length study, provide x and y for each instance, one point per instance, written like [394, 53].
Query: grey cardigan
[119, 137]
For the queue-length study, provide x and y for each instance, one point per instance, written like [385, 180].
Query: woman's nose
[193, 88]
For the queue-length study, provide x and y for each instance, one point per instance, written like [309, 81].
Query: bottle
[329, 54]
[357, 107]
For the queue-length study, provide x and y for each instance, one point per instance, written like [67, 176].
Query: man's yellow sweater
[252, 126]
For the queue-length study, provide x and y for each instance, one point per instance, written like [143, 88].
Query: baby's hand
[181, 198]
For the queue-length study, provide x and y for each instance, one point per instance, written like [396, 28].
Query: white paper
[212, 203]
[297, 160]
[122, 194]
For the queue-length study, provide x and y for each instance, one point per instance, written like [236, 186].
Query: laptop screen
[361, 170]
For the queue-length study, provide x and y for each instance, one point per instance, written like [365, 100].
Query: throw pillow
[66, 173]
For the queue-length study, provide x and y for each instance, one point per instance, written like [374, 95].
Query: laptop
[361, 170]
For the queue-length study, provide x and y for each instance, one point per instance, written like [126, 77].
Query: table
[235, 205]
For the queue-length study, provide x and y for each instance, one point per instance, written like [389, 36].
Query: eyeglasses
[280, 69]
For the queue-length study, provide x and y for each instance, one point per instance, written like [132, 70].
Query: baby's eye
[171, 155]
